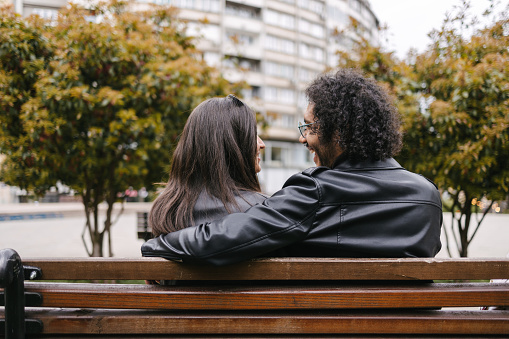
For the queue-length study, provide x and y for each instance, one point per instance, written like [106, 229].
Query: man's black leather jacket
[356, 209]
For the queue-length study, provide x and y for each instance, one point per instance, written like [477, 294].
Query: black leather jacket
[356, 209]
[209, 208]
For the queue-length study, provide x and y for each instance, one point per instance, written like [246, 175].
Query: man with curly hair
[357, 201]
[349, 115]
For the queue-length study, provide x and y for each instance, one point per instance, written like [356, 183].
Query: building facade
[277, 47]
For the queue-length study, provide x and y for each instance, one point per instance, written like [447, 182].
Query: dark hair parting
[235, 100]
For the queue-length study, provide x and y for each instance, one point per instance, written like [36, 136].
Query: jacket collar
[343, 163]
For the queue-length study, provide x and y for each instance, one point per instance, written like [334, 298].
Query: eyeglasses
[303, 128]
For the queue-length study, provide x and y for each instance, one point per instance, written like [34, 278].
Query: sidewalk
[29, 211]
[56, 229]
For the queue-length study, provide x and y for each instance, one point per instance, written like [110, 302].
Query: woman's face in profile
[259, 146]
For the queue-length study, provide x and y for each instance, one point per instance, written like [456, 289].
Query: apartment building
[277, 47]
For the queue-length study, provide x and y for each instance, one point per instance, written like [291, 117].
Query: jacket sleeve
[281, 220]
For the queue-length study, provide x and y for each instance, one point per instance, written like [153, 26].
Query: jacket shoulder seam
[310, 172]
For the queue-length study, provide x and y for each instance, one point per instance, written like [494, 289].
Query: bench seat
[271, 297]
[131, 322]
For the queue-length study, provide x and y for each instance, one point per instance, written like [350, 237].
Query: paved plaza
[54, 230]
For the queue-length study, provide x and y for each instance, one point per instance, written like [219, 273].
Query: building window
[310, 28]
[279, 19]
[280, 44]
[279, 95]
[306, 75]
[163, 2]
[201, 5]
[45, 13]
[240, 38]
[311, 52]
[244, 64]
[337, 15]
[343, 40]
[281, 120]
[286, 154]
[251, 93]
[312, 5]
[207, 32]
[302, 101]
[277, 155]
[356, 5]
[270, 94]
[241, 11]
[316, 6]
[279, 70]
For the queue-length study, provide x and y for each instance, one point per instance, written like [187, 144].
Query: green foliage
[465, 130]
[105, 103]
[467, 82]
[24, 51]
[460, 139]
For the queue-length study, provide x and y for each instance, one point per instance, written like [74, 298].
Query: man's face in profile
[324, 155]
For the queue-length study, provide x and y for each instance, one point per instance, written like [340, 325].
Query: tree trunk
[97, 239]
[97, 247]
[466, 214]
[91, 200]
[464, 242]
[110, 200]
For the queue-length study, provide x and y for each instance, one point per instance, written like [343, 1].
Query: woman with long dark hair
[214, 167]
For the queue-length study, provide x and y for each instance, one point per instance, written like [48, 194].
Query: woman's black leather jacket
[356, 209]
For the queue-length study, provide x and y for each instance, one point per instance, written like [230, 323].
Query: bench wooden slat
[230, 297]
[157, 322]
[273, 269]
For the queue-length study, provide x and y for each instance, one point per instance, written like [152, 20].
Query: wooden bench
[283, 297]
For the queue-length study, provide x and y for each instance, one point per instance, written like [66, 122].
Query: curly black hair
[357, 113]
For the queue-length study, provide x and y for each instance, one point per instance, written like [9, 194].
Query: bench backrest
[277, 296]
[406, 269]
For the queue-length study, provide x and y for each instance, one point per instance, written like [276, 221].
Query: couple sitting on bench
[357, 201]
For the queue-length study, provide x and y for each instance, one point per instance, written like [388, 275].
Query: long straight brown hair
[217, 153]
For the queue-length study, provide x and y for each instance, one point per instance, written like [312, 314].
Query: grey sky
[410, 21]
